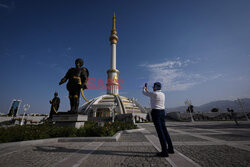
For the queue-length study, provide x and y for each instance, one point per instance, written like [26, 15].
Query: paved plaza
[196, 144]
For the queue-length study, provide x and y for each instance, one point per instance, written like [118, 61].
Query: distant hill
[222, 105]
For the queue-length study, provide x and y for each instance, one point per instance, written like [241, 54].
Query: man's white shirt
[157, 99]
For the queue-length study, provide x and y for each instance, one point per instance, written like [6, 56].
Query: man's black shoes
[170, 151]
[161, 154]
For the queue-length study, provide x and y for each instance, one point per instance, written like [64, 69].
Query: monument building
[113, 105]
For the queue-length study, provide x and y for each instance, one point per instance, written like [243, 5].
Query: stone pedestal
[75, 120]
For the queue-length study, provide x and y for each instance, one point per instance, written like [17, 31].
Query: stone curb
[66, 139]
[28, 143]
[92, 139]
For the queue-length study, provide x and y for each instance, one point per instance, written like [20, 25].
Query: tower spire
[113, 84]
[113, 26]
[113, 36]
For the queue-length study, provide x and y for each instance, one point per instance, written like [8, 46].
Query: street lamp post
[133, 113]
[189, 103]
[133, 105]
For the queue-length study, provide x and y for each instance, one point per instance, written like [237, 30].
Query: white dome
[103, 106]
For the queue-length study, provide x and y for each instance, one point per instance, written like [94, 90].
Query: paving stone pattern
[184, 138]
[132, 137]
[40, 155]
[231, 137]
[196, 130]
[206, 143]
[125, 156]
[217, 154]
[208, 156]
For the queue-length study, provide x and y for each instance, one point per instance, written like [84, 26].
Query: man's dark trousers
[158, 117]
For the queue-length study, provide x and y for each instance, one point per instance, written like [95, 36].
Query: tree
[214, 110]
[190, 109]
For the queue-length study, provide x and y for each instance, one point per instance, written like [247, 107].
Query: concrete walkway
[196, 144]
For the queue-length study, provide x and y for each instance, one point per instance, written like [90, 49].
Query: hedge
[32, 132]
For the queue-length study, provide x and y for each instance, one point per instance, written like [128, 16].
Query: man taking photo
[157, 99]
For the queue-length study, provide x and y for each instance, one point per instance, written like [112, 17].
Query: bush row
[32, 132]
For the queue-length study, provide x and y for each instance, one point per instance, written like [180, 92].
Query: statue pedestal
[75, 120]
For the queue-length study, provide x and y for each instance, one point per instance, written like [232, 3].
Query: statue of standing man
[77, 79]
[55, 102]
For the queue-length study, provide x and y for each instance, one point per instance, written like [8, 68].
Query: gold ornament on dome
[116, 79]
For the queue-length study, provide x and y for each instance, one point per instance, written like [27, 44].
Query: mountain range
[222, 105]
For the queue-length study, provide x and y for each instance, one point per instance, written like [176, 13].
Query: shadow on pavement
[97, 152]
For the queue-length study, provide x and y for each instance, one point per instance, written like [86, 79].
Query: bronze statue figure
[77, 80]
[55, 102]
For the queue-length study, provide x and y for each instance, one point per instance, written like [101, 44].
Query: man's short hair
[157, 85]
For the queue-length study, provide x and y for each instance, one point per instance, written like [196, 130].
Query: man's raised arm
[145, 91]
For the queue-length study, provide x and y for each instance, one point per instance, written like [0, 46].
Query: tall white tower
[112, 83]
[112, 104]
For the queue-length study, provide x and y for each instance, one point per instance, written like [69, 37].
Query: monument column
[112, 83]
[113, 56]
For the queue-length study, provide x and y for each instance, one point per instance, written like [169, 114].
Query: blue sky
[198, 49]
